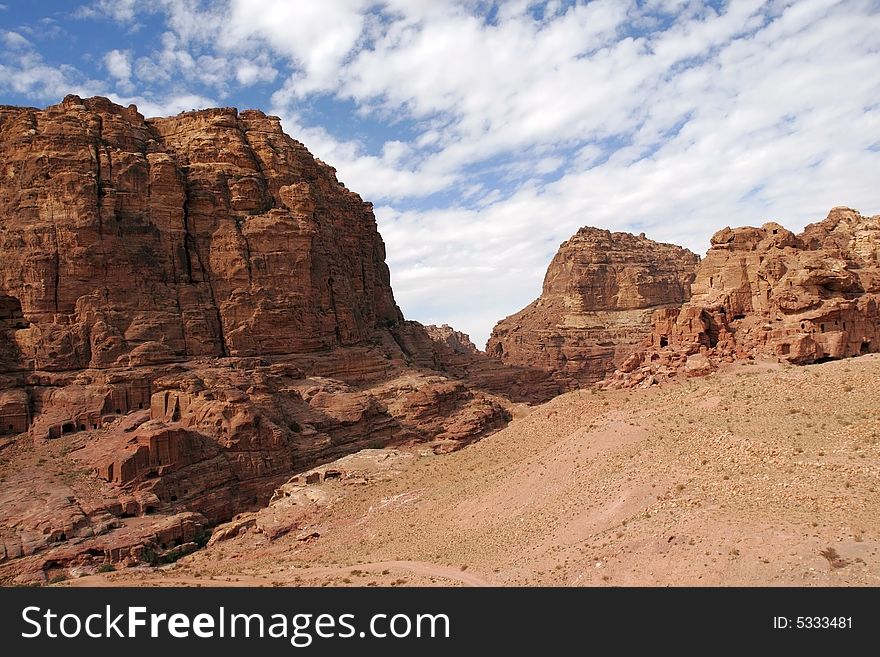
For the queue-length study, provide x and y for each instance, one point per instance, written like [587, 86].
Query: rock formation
[458, 342]
[595, 308]
[768, 292]
[191, 310]
[295, 503]
[455, 355]
[129, 241]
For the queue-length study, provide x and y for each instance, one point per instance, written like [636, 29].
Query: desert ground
[762, 474]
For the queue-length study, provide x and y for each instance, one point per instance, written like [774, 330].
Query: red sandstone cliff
[458, 342]
[768, 292]
[595, 308]
[212, 233]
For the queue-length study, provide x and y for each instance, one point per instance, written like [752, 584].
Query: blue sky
[487, 132]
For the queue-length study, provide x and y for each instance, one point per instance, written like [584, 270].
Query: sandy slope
[744, 477]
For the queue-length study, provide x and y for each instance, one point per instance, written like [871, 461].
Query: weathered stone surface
[457, 341]
[768, 292]
[14, 411]
[449, 353]
[211, 233]
[801, 297]
[294, 504]
[214, 437]
[595, 308]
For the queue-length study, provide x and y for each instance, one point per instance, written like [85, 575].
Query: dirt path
[299, 575]
[424, 568]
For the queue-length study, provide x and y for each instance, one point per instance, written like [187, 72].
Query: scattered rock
[698, 365]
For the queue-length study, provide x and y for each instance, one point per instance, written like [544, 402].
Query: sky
[486, 133]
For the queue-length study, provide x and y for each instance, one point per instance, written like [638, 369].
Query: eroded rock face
[768, 292]
[802, 297]
[212, 233]
[595, 308]
[294, 505]
[457, 341]
[453, 353]
[214, 437]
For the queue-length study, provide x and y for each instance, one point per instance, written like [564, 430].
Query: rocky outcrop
[802, 297]
[14, 411]
[295, 504]
[453, 353]
[458, 342]
[213, 437]
[599, 293]
[140, 241]
[768, 292]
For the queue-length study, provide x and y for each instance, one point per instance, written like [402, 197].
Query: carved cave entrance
[10, 309]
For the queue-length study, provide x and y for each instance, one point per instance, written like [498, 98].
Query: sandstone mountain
[194, 308]
[599, 293]
[767, 292]
[130, 242]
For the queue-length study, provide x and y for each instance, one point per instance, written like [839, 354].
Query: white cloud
[122, 11]
[118, 65]
[371, 176]
[250, 71]
[167, 105]
[317, 36]
[174, 63]
[14, 41]
[24, 72]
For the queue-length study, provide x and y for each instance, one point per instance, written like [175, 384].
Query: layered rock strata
[599, 294]
[768, 292]
[133, 241]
